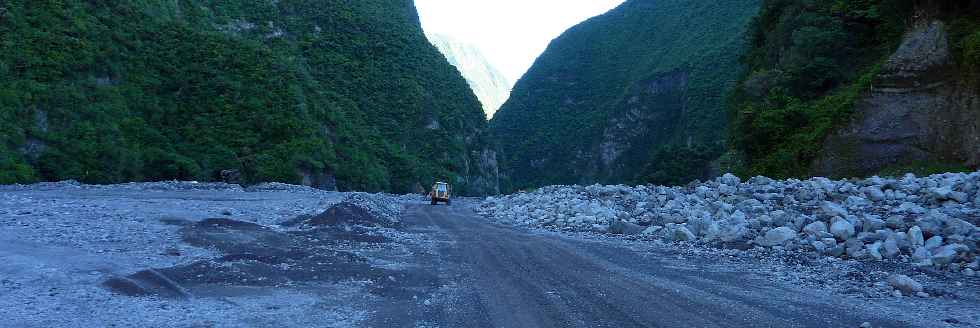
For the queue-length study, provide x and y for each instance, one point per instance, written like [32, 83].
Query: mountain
[330, 93]
[635, 95]
[859, 88]
[490, 86]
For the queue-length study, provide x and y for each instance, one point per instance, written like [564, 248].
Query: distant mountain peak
[487, 82]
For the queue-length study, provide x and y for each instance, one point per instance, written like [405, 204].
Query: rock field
[908, 224]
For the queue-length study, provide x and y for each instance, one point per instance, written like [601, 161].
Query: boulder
[620, 227]
[934, 242]
[779, 236]
[874, 250]
[922, 257]
[932, 223]
[956, 226]
[702, 226]
[854, 202]
[855, 249]
[815, 229]
[959, 197]
[729, 180]
[903, 283]
[831, 209]
[651, 230]
[873, 223]
[940, 194]
[908, 207]
[890, 248]
[915, 237]
[946, 254]
[682, 234]
[896, 222]
[874, 193]
[842, 229]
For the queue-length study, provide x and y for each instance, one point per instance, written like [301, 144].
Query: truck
[441, 192]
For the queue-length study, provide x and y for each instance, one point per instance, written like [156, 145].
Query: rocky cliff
[620, 97]
[920, 110]
[335, 94]
[859, 88]
[489, 85]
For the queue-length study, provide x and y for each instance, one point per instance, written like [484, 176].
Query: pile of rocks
[929, 221]
[385, 207]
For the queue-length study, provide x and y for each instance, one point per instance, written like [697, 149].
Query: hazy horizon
[510, 33]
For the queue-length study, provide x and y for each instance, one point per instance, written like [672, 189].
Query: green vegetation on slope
[612, 98]
[110, 91]
[809, 62]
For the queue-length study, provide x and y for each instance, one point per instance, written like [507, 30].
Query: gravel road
[506, 277]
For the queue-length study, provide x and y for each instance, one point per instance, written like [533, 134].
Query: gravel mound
[926, 221]
[254, 255]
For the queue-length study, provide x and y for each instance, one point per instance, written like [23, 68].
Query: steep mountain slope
[636, 94]
[331, 93]
[860, 88]
[490, 86]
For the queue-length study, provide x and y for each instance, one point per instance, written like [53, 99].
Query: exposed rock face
[918, 111]
[482, 173]
[489, 85]
[610, 93]
[644, 123]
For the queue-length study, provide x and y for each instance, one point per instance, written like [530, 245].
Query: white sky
[511, 33]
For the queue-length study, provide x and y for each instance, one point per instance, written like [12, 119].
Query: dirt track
[511, 278]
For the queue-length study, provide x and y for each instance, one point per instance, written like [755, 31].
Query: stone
[651, 230]
[932, 223]
[779, 236]
[729, 180]
[922, 294]
[815, 229]
[895, 222]
[890, 248]
[956, 226]
[946, 254]
[855, 248]
[831, 209]
[941, 193]
[842, 229]
[922, 257]
[959, 197]
[837, 251]
[915, 237]
[874, 193]
[903, 283]
[683, 234]
[702, 226]
[874, 250]
[909, 207]
[625, 228]
[934, 242]
[873, 223]
[819, 247]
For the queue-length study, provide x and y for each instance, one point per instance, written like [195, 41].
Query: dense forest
[292, 91]
[635, 95]
[810, 62]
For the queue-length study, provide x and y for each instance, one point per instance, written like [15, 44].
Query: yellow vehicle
[441, 192]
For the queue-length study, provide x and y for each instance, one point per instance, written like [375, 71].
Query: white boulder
[903, 283]
[779, 236]
[842, 229]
